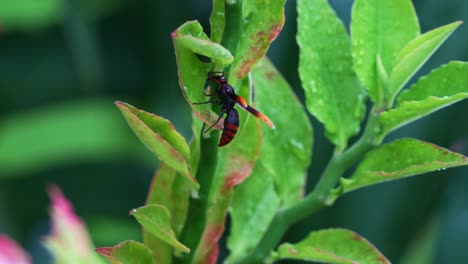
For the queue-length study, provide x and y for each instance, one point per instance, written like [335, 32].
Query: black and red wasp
[226, 97]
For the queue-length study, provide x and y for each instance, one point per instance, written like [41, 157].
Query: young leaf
[260, 23]
[442, 87]
[156, 219]
[286, 150]
[414, 55]
[160, 136]
[333, 92]
[190, 40]
[11, 252]
[380, 28]
[69, 241]
[340, 246]
[217, 21]
[127, 252]
[170, 190]
[401, 158]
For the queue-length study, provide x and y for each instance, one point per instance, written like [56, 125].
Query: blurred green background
[64, 62]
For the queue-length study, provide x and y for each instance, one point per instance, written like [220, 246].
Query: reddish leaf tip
[106, 251]
[11, 252]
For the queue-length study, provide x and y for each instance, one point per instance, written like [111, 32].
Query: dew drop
[133, 211]
[295, 147]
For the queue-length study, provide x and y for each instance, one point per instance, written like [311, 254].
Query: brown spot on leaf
[258, 36]
[292, 251]
[274, 32]
[269, 75]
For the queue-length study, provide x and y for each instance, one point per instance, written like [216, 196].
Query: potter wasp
[225, 96]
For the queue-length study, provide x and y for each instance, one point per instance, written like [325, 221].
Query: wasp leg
[207, 102]
[214, 124]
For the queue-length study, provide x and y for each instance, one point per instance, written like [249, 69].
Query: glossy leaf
[171, 190]
[286, 150]
[333, 92]
[190, 40]
[156, 219]
[69, 241]
[441, 88]
[254, 205]
[56, 135]
[167, 190]
[260, 23]
[217, 21]
[415, 54]
[340, 246]
[160, 137]
[401, 158]
[380, 28]
[235, 164]
[127, 252]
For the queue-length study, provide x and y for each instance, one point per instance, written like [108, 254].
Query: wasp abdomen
[231, 124]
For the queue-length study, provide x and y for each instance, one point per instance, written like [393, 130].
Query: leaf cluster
[193, 191]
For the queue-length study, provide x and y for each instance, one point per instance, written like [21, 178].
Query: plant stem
[232, 30]
[196, 217]
[317, 199]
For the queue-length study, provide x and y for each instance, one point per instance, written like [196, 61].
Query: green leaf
[414, 55]
[333, 92]
[170, 190]
[286, 150]
[380, 28]
[401, 158]
[127, 252]
[160, 137]
[190, 40]
[205, 47]
[254, 205]
[442, 87]
[235, 164]
[156, 219]
[332, 246]
[85, 130]
[217, 21]
[260, 23]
